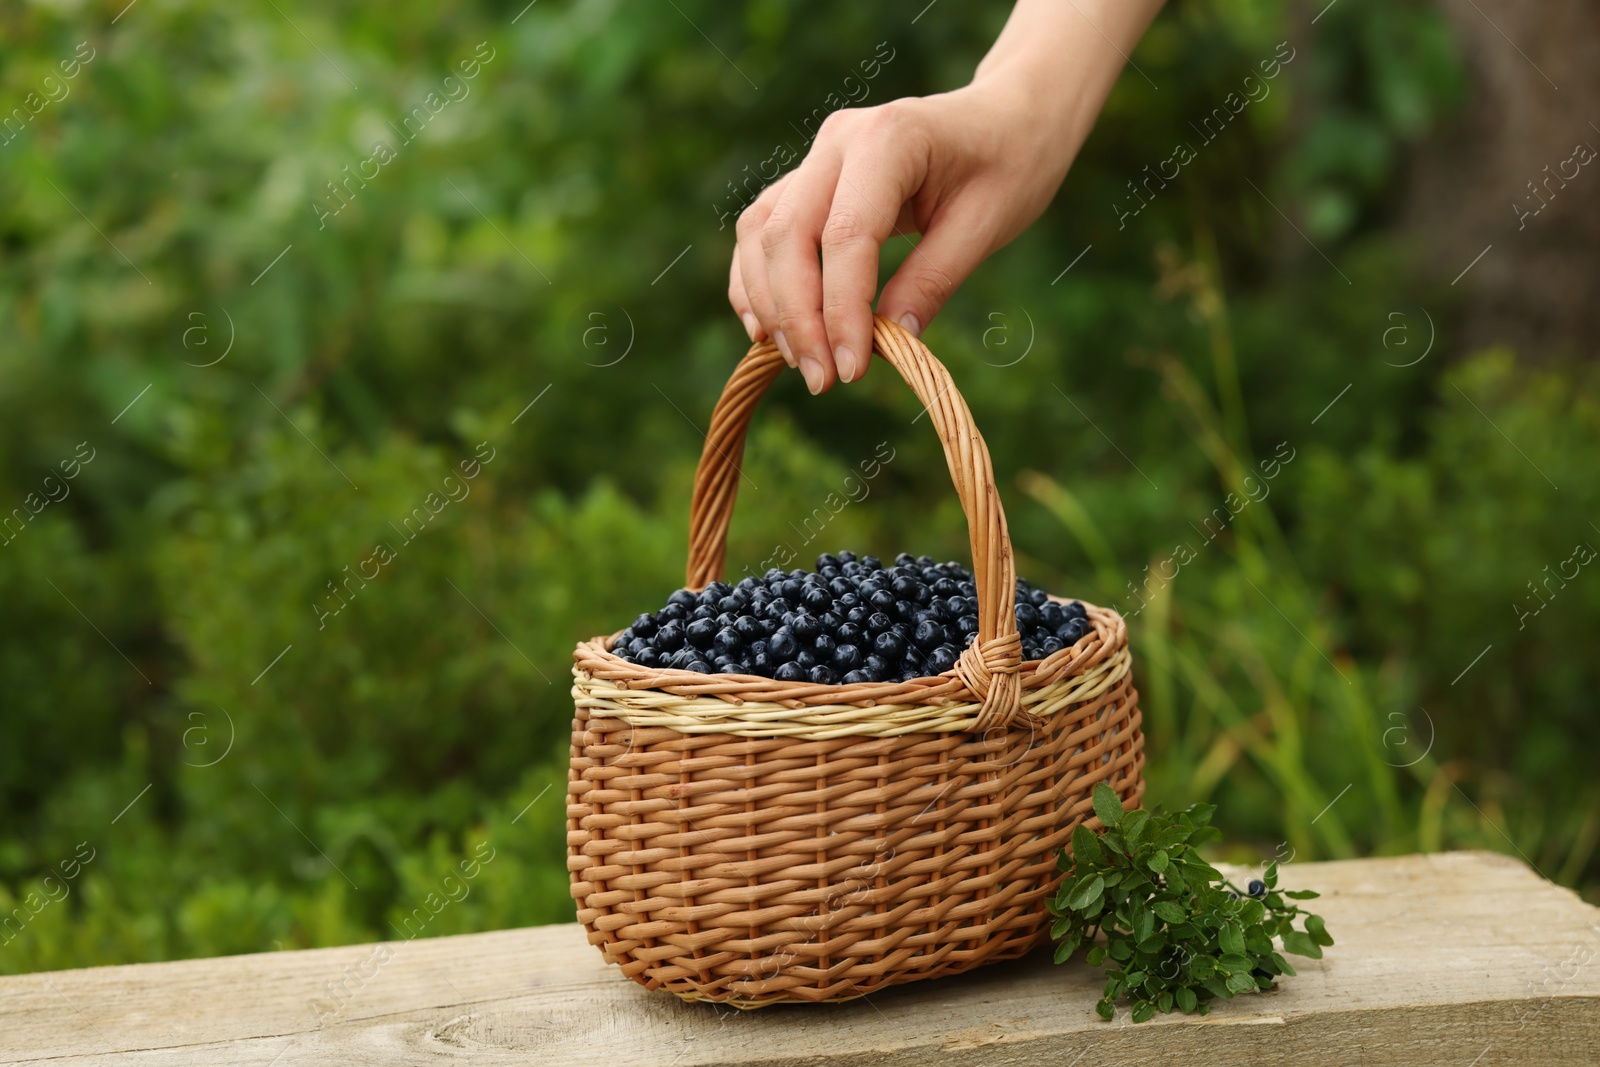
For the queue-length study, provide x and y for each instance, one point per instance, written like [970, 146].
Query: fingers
[751, 266]
[789, 241]
[871, 190]
[740, 300]
[957, 240]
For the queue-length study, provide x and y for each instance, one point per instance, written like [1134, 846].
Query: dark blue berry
[1257, 888]
[783, 645]
[889, 646]
[789, 672]
[700, 633]
[1071, 630]
[670, 637]
[928, 635]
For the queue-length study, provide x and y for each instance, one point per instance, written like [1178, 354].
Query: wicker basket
[738, 839]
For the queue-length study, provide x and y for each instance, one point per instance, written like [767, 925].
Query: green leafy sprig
[1177, 933]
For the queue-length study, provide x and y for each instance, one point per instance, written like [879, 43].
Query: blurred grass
[251, 770]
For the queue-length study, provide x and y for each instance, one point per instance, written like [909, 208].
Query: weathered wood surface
[1459, 959]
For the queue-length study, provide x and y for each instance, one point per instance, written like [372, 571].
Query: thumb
[950, 251]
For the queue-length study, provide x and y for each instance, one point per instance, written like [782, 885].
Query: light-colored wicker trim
[817, 722]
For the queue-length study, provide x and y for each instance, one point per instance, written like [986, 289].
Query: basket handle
[989, 666]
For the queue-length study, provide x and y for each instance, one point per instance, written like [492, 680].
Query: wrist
[1057, 63]
[1035, 116]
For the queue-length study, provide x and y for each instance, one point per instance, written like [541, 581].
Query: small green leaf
[1187, 1001]
[1235, 963]
[1169, 911]
[1085, 846]
[1143, 1012]
[1301, 945]
[1158, 862]
[1283, 965]
[1241, 983]
[1231, 938]
[1086, 896]
[1066, 948]
[1096, 956]
[1134, 824]
[1270, 876]
[1218, 987]
[1164, 1001]
[1318, 930]
[1252, 912]
[1302, 894]
[1107, 806]
[1104, 1009]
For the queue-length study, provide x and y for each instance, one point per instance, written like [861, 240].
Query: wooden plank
[1455, 959]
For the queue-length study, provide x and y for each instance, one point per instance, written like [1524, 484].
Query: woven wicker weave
[743, 840]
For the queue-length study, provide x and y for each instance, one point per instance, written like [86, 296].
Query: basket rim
[1108, 635]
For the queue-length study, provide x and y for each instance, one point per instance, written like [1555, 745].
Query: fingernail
[783, 347]
[752, 325]
[845, 360]
[813, 374]
[909, 322]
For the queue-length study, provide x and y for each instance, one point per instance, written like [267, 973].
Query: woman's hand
[968, 169]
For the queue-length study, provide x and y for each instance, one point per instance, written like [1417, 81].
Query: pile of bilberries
[851, 620]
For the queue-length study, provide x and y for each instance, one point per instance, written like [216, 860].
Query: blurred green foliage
[263, 751]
